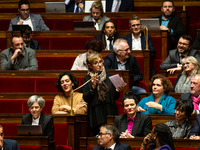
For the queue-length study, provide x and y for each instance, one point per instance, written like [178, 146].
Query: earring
[154, 137]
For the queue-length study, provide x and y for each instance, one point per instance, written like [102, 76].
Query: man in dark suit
[7, 144]
[26, 34]
[196, 44]
[173, 60]
[195, 131]
[75, 6]
[119, 5]
[193, 96]
[132, 123]
[108, 35]
[108, 137]
[136, 39]
[170, 22]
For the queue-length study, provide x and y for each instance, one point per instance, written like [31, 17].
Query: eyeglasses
[126, 50]
[24, 10]
[26, 38]
[1, 134]
[184, 44]
[168, 6]
[187, 63]
[135, 25]
[98, 63]
[100, 134]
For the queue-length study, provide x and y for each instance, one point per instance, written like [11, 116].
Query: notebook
[28, 130]
[55, 7]
[151, 23]
[84, 25]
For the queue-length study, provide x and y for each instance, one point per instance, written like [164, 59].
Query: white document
[117, 81]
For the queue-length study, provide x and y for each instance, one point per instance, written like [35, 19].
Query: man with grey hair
[194, 95]
[6, 144]
[108, 137]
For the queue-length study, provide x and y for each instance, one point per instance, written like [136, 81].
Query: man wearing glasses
[26, 34]
[108, 137]
[136, 39]
[173, 60]
[35, 21]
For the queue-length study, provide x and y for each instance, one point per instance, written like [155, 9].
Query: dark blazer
[173, 58]
[199, 148]
[70, 6]
[196, 128]
[126, 5]
[35, 45]
[187, 96]
[110, 63]
[101, 37]
[196, 44]
[143, 42]
[10, 144]
[141, 127]
[118, 146]
[45, 121]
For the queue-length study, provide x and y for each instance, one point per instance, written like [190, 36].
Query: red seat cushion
[10, 106]
[10, 129]
[25, 147]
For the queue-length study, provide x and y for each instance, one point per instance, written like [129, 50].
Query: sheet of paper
[117, 81]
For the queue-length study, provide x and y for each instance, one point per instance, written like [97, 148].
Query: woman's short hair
[97, 5]
[36, 98]
[167, 85]
[95, 45]
[164, 135]
[130, 95]
[185, 105]
[72, 78]
[91, 57]
[194, 61]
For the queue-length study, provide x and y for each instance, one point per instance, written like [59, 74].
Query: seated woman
[160, 137]
[183, 81]
[91, 46]
[35, 105]
[97, 15]
[180, 127]
[158, 102]
[62, 103]
[99, 93]
[132, 123]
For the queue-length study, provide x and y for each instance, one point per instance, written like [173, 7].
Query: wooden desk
[136, 142]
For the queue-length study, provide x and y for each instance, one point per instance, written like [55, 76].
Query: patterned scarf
[196, 101]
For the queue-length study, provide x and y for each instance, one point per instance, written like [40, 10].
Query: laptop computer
[55, 7]
[151, 23]
[18, 27]
[84, 25]
[29, 130]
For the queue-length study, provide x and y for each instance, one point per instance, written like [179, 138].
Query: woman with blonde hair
[97, 15]
[183, 81]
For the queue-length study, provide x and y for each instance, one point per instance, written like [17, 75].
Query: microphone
[96, 74]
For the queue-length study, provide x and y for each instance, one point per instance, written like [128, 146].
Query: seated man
[194, 95]
[108, 137]
[108, 35]
[170, 22]
[136, 39]
[119, 5]
[35, 21]
[173, 60]
[196, 44]
[16, 57]
[121, 59]
[195, 132]
[75, 6]
[6, 144]
[26, 34]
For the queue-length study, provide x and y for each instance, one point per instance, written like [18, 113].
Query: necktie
[108, 149]
[77, 8]
[110, 46]
[117, 7]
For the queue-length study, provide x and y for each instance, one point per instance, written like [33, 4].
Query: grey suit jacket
[37, 21]
[27, 60]
[173, 59]
[102, 20]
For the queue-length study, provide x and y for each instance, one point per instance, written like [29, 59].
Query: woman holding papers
[99, 93]
[36, 117]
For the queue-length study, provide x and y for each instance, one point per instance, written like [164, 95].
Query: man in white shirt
[108, 137]
[35, 21]
[119, 5]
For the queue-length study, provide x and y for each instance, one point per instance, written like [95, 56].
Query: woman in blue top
[159, 102]
[160, 137]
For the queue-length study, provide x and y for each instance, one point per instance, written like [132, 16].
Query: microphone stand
[72, 111]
